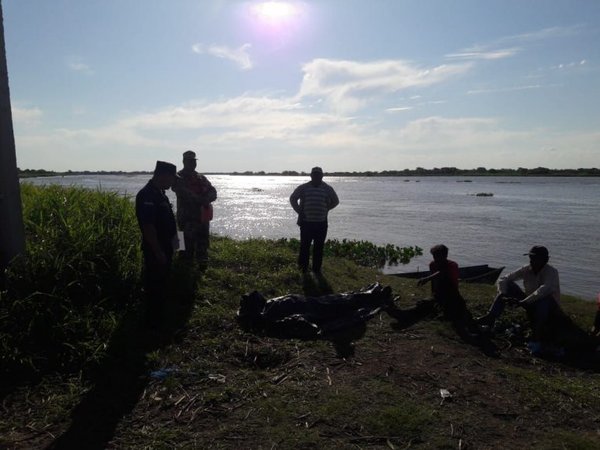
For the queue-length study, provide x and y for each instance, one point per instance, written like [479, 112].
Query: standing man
[540, 299]
[159, 236]
[312, 201]
[194, 210]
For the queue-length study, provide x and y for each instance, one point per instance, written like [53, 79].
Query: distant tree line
[449, 171]
[419, 171]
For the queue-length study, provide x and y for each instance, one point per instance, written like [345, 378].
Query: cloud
[399, 108]
[77, 65]
[472, 54]
[496, 49]
[544, 34]
[23, 115]
[239, 55]
[509, 89]
[349, 85]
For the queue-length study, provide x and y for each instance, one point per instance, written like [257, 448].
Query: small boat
[470, 274]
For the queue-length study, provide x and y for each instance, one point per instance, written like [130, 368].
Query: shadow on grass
[427, 309]
[119, 382]
[315, 285]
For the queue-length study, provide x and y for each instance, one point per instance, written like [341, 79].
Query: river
[562, 213]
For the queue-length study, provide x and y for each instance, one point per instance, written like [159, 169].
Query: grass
[231, 389]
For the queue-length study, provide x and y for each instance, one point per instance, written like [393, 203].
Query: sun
[274, 12]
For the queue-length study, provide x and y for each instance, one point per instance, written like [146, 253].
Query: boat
[469, 274]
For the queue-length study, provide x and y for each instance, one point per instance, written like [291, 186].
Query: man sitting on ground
[540, 299]
[444, 286]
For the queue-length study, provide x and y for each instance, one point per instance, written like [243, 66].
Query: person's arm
[333, 198]
[512, 276]
[550, 285]
[428, 278]
[295, 199]
[211, 193]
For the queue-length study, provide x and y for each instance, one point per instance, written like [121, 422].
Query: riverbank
[202, 382]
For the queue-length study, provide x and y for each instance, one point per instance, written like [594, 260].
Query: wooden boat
[470, 274]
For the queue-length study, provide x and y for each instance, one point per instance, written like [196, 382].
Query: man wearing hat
[312, 201]
[194, 210]
[540, 298]
[159, 236]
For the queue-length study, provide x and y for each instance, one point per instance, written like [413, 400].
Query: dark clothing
[152, 207]
[444, 288]
[309, 232]
[194, 212]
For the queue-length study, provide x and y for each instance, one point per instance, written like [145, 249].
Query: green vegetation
[226, 388]
[66, 294]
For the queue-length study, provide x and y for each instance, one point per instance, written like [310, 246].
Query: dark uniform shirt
[153, 207]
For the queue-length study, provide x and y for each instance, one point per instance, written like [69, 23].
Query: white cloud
[239, 55]
[509, 89]
[77, 65]
[544, 33]
[496, 49]
[23, 115]
[472, 54]
[348, 85]
[399, 108]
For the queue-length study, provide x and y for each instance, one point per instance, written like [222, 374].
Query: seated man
[540, 299]
[444, 286]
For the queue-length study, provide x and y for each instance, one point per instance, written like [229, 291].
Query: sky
[286, 85]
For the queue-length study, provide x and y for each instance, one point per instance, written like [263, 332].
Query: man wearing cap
[541, 296]
[312, 201]
[159, 236]
[194, 210]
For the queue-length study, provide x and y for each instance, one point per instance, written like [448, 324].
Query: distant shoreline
[420, 172]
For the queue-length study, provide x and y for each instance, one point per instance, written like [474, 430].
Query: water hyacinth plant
[365, 253]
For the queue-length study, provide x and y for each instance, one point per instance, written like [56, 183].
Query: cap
[189, 155]
[316, 170]
[538, 250]
[163, 167]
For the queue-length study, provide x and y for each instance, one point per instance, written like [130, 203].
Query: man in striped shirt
[312, 201]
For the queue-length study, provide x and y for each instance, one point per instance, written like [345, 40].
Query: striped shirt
[315, 201]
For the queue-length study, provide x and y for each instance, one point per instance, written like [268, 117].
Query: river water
[561, 213]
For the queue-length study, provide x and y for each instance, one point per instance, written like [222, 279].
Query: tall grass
[66, 293]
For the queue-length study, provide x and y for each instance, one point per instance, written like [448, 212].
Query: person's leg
[155, 282]
[539, 315]
[320, 234]
[202, 236]
[509, 290]
[190, 240]
[305, 240]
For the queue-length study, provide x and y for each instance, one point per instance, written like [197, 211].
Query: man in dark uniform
[194, 209]
[159, 236]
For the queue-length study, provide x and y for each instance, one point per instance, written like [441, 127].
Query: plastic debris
[163, 373]
[445, 393]
[217, 377]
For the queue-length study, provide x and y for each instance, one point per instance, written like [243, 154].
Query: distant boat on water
[470, 274]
